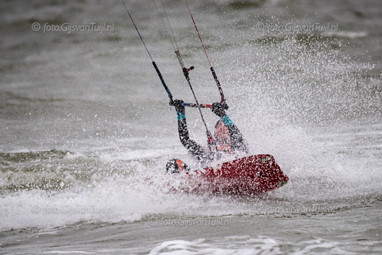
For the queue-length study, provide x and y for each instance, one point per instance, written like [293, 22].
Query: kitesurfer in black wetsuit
[229, 140]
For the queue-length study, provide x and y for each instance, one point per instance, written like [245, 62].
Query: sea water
[86, 129]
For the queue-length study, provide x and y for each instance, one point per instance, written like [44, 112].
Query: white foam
[347, 34]
[243, 245]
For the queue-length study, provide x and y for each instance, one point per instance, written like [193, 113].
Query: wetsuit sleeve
[237, 140]
[193, 148]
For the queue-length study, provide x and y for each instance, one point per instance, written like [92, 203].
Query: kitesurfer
[229, 141]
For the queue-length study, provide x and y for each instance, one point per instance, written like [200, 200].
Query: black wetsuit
[206, 156]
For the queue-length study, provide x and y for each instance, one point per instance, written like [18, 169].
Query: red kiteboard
[245, 176]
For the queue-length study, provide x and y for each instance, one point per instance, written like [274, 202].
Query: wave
[57, 188]
[56, 170]
[247, 245]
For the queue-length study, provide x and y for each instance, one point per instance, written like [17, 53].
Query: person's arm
[193, 148]
[236, 138]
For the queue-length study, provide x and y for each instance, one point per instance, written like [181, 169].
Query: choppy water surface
[86, 129]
